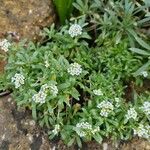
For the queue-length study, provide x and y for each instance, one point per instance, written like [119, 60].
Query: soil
[19, 132]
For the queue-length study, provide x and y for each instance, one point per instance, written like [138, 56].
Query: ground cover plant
[75, 81]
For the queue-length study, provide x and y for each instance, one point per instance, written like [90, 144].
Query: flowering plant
[73, 94]
[77, 89]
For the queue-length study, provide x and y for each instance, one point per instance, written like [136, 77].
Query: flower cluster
[106, 108]
[144, 74]
[53, 89]
[56, 129]
[18, 80]
[44, 88]
[146, 108]
[4, 45]
[40, 97]
[84, 128]
[98, 92]
[75, 30]
[142, 131]
[131, 113]
[74, 69]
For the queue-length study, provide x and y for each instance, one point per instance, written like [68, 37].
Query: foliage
[118, 18]
[74, 82]
[64, 8]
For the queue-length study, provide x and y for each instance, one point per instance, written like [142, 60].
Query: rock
[25, 18]
[17, 129]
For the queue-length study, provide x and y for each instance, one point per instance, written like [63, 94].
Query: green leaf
[139, 40]
[75, 93]
[98, 138]
[139, 51]
[46, 119]
[140, 22]
[71, 142]
[64, 8]
[34, 115]
[143, 68]
[79, 141]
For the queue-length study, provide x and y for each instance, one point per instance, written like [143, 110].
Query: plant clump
[74, 83]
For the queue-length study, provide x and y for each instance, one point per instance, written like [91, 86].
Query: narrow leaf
[143, 68]
[139, 51]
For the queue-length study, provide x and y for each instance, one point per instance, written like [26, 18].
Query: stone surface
[19, 132]
[25, 18]
[17, 129]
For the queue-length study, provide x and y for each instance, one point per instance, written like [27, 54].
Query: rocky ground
[25, 18]
[19, 132]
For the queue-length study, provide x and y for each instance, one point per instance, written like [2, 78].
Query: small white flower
[98, 92]
[39, 97]
[84, 125]
[4, 45]
[74, 69]
[85, 128]
[146, 107]
[44, 88]
[131, 113]
[106, 108]
[47, 64]
[75, 30]
[56, 129]
[54, 89]
[142, 131]
[81, 128]
[18, 80]
[144, 74]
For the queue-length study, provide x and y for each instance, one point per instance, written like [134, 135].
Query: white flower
[18, 80]
[44, 88]
[98, 92]
[4, 45]
[131, 113]
[56, 129]
[47, 64]
[74, 69]
[106, 108]
[144, 73]
[75, 30]
[142, 131]
[39, 97]
[54, 89]
[85, 128]
[146, 108]
[84, 125]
